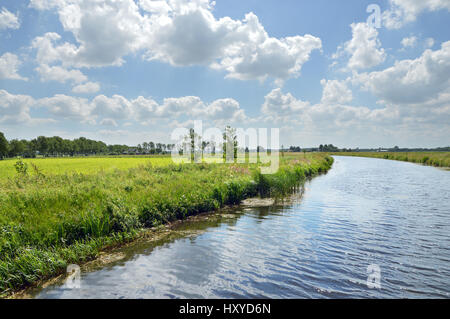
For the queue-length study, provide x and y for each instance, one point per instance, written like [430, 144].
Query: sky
[352, 73]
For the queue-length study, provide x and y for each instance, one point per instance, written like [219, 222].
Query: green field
[437, 159]
[54, 217]
[83, 165]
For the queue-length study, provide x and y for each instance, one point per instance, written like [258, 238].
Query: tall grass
[49, 221]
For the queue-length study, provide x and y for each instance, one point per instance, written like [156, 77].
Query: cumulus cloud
[347, 124]
[55, 60]
[49, 51]
[242, 48]
[335, 92]
[8, 20]
[60, 74]
[280, 104]
[110, 110]
[9, 64]
[364, 48]
[402, 12]
[115, 107]
[411, 81]
[104, 30]
[188, 106]
[14, 109]
[409, 42]
[67, 107]
[86, 88]
[429, 42]
[178, 32]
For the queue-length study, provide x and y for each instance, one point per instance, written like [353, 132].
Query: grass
[48, 221]
[437, 159]
[84, 165]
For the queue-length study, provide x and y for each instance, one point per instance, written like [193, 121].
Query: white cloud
[116, 107]
[9, 64]
[68, 107]
[364, 48]
[60, 74]
[104, 109]
[86, 88]
[279, 104]
[285, 108]
[242, 48]
[335, 92]
[409, 42]
[106, 31]
[14, 109]
[402, 12]
[411, 81]
[188, 106]
[155, 6]
[8, 20]
[347, 125]
[429, 43]
[48, 52]
[45, 4]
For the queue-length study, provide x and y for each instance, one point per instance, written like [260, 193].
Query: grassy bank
[48, 221]
[437, 159]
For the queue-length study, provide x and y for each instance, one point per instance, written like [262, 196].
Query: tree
[230, 142]
[151, 146]
[42, 145]
[16, 148]
[158, 148]
[4, 146]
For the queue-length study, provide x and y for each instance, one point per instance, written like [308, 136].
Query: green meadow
[60, 211]
[82, 165]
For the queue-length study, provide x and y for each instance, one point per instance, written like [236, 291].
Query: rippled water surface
[363, 212]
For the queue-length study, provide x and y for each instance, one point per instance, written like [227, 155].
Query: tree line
[57, 146]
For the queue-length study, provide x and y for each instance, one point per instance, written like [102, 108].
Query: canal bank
[123, 221]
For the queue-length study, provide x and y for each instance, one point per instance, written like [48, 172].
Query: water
[394, 215]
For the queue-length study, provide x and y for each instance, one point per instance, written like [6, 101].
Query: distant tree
[4, 146]
[158, 148]
[16, 148]
[145, 147]
[151, 146]
[230, 141]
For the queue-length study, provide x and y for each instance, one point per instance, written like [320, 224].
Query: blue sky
[131, 71]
